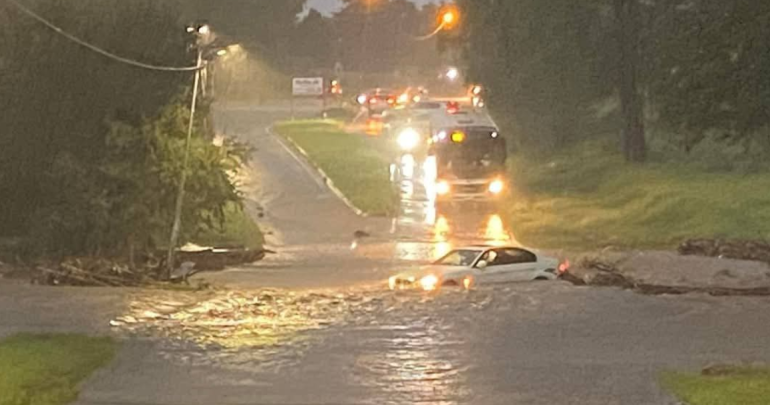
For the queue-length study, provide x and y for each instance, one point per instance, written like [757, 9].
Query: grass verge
[353, 163]
[741, 386]
[589, 198]
[238, 230]
[46, 369]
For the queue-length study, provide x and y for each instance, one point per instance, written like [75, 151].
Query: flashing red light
[452, 107]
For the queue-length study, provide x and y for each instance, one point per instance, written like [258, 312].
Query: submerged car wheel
[466, 283]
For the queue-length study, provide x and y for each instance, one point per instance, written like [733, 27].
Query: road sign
[307, 86]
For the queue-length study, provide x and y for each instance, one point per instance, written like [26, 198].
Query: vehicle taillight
[564, 267]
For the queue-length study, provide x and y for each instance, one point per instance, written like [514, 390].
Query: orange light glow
[496, 229]
[373, 127]
[468, 282]
[429, 283]
[443, 188]
[441, 229]
[496, 187]
[449, 17]
[458, 137]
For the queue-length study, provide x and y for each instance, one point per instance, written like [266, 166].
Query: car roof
[482, 246]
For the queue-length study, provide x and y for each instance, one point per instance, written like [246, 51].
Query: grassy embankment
[238, 229]
[356, 166]
[584, 198]
[589, 198]
[741, 386]
[46, 369]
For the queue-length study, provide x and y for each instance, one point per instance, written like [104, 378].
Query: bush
[124, 201]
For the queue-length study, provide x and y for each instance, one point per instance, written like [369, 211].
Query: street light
[452, 73]
[204, 30]
[203, 38]
[448, 18]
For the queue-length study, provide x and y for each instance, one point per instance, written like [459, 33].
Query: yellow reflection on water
[441, 229]
[496, 231]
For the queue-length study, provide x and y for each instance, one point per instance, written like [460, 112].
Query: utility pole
[202, 34]
[632, 106]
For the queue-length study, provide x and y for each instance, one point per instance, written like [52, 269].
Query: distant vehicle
[377, 101]
[469, 155]
[403, 115]
[411, 95]
[476, 265]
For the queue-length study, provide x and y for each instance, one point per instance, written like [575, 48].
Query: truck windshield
[481, 153]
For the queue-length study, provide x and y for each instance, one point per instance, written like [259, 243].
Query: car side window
[490, 257]
[515, 256]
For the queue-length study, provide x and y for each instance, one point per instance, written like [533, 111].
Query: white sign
[307, 86]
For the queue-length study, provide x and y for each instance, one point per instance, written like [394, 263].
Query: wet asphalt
[316, 325]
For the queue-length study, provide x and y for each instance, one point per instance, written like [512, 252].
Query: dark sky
[327, 6]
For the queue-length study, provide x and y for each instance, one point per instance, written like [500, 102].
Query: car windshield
[462, 257]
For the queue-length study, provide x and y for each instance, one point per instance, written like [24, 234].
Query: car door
[509, 265]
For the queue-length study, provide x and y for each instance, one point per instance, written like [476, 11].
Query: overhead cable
[98, 50]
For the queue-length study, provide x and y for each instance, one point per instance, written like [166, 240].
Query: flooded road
[426, 229]
[532, 343]
[315, 325]
[313, 230]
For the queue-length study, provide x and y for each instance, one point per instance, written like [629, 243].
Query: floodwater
[355, 342]
[531, 343]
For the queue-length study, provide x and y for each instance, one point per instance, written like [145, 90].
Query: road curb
[321, 173]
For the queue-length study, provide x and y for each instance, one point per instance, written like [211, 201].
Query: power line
[98, 50]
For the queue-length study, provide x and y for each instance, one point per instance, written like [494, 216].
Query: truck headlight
[408, 139]
[443, 188]
[496, 187]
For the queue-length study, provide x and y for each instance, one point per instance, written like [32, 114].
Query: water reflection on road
[426, 230]
[531, 343]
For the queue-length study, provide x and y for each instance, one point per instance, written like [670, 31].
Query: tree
[314, 41]
[631, 103]
[57, 95]
[709, 70]
[540, 63]
[90, 146]
[380, 36]
[265, 26]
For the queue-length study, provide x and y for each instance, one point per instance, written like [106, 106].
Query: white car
[473, 265]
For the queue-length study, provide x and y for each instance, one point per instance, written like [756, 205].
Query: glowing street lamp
[447, 18]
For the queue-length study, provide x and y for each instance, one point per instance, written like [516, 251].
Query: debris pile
[95, 272]
[728, 249]
[596, 272]
[101, 272]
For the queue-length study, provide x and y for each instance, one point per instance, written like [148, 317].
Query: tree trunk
[632, 107]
